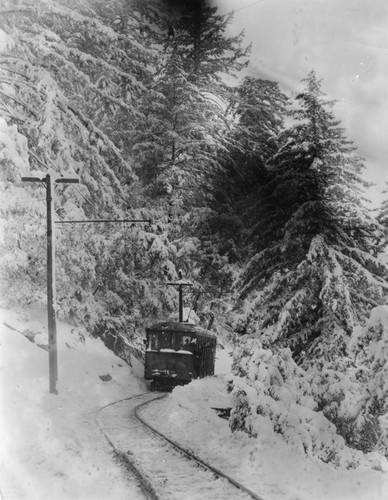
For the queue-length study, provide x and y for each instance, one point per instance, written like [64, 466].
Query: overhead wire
[243, 7]
[249, 5]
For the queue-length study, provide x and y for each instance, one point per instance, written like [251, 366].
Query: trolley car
[177, 353]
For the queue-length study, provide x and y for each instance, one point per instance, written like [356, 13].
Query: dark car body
[176, 353]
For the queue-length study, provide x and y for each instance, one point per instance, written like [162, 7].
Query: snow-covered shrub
[273, 394]
[339, 395]
[369, 349]
[352, 390]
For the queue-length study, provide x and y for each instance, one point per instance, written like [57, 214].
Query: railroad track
[165, 470]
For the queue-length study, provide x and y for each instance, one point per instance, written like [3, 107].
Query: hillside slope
[51, 447]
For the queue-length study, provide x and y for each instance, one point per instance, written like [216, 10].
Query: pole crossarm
[55, 178]
[32, 179]
[180, 283]
[67, 180]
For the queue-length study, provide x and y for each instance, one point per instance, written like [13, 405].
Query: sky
[346, 42]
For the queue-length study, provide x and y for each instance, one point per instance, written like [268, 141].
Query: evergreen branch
[13, 11]
[32, 112]
[90, 85]
[378, 280]
[13, 71]
[88, 123]
[97, 61]
[10, 111]
[36, 158]
[19, 83]
[362, 298]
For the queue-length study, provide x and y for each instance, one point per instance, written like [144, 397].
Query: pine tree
[313, 274]
[208, 53]
[311, 281]
[176, 144]
[255, 111]
[178, 147]
[257, 108]
[185, 126]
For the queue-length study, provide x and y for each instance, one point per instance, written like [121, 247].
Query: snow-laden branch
[25, 106]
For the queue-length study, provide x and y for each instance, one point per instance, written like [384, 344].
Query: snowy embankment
[51, 447]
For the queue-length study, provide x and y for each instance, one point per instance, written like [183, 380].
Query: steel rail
[145, 484]
[192, 456]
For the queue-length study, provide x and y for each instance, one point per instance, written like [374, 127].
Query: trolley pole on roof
[180, 284]
[50, 179]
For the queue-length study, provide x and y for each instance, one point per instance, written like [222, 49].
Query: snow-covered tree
[208, 52]
[369, 349]
[328, 415]
[177, 145]
[328, 412]
[255, 118]
[382, 217]
[61, 64]
[308, 288]
[71, 76]
[383, 212]
[258, 109]
[313, 275]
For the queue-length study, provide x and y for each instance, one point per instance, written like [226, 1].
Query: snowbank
[51, 447]
[266, 464]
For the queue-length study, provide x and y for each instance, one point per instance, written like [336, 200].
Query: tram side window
[186, 344]
[153, 344]
[175, 341]
[165, 340]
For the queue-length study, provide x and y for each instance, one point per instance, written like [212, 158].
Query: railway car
[177, 353]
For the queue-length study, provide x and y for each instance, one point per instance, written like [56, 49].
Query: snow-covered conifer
[208, 52]
[311, 281]
[71, 75]
[313, 274]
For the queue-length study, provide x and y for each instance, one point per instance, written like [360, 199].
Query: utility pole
[50, 179]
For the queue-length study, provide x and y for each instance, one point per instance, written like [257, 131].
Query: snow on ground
[267, 465]
[51, 447]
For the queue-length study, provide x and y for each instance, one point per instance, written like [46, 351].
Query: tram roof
[180, 327]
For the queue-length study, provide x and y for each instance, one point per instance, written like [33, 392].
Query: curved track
[165, 470]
